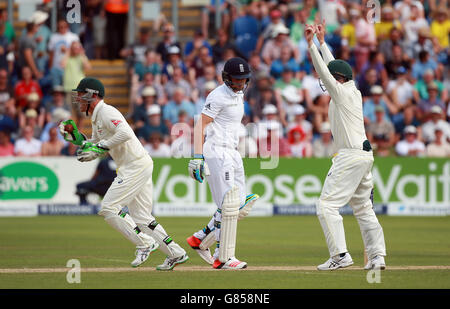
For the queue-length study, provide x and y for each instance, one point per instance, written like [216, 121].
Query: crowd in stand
[400, 60]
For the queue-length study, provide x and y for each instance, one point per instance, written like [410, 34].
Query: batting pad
[230, 213]
[208, 241]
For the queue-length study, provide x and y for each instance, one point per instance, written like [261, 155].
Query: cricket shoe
[336, 262]
[376, 263]
[232, 263]
[142, 254]
[194, 242]
[170, 263]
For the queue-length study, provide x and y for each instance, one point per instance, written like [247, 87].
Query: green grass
[50, 241]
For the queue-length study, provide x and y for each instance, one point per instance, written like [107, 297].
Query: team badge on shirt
[116, 122]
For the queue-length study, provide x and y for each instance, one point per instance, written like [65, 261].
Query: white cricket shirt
[226, 107]
[345, 110]
[110, 127]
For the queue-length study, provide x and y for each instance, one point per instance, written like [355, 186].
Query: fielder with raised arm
[349, 180]
[133, 185]
[217, 158]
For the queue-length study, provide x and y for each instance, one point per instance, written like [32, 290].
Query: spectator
[300, 146]
[386, 47]
[366, 40]
[174, 61]
[140, 111]
[58, 46]
[323, 146]
[42, 37]
[210, 11]
[153, 124]
[246, 31]
[378, 98]
[156, 148]
[25, 87]
[439, 147]
[6, 147]
[6, 91]
[100, 182]
[58, 100]
[285, 62]
[300, 120]
[9, 29]
[410, 146]
[58, 114]
[209, 76]
[168, 41]
[75, 64]
[54, 145]
[425, 63]
[406, 118]
[348, 30]
[276, 19]
[257, 67]
[27, 49]
[32, 119]
[376, 62]
[198, 63]
[222, 43]
[177, 104]
[387, 22]
[397, 60]
[272, 143]
[116, 23]
[412, 26]
[291, 97]
[272, 48]
[381, 133]
[27, 146]
[421, 87]
[151, 64]
[425, 106]
[403, 8]
[206, 89]
[177, 81]
[270, 118]
[99, 33]
[148, 81]
[436, 120]
[8, 120]
[4, 48]
[400, 90]
[297, 28]
[135, 53]
[192, 48]
[367, 81]
[424, 42]
[440, 27]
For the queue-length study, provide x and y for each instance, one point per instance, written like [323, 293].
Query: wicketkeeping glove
[90, 151]
[75, 137]
[198, 168]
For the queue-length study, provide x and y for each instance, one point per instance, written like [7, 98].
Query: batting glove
[198, 168]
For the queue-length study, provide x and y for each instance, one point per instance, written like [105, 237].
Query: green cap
[90, 83]
[341, 68]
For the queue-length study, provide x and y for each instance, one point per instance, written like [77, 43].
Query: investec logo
[27, 180]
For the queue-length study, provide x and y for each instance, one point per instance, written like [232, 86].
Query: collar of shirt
[96, 109]
[230, 92]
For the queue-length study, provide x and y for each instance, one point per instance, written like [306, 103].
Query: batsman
[217, 159]
[349, 180]
[133, 185]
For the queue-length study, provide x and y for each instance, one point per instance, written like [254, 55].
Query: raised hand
[309, 34]
[320, 32]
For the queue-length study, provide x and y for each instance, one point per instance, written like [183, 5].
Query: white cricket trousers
[226, 170]
[349, 181]
[133, 188]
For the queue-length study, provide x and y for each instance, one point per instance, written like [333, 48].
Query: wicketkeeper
[349, 180]
[133, 185]
[217, 159]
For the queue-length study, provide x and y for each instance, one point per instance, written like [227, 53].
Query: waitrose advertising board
[409, 186]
